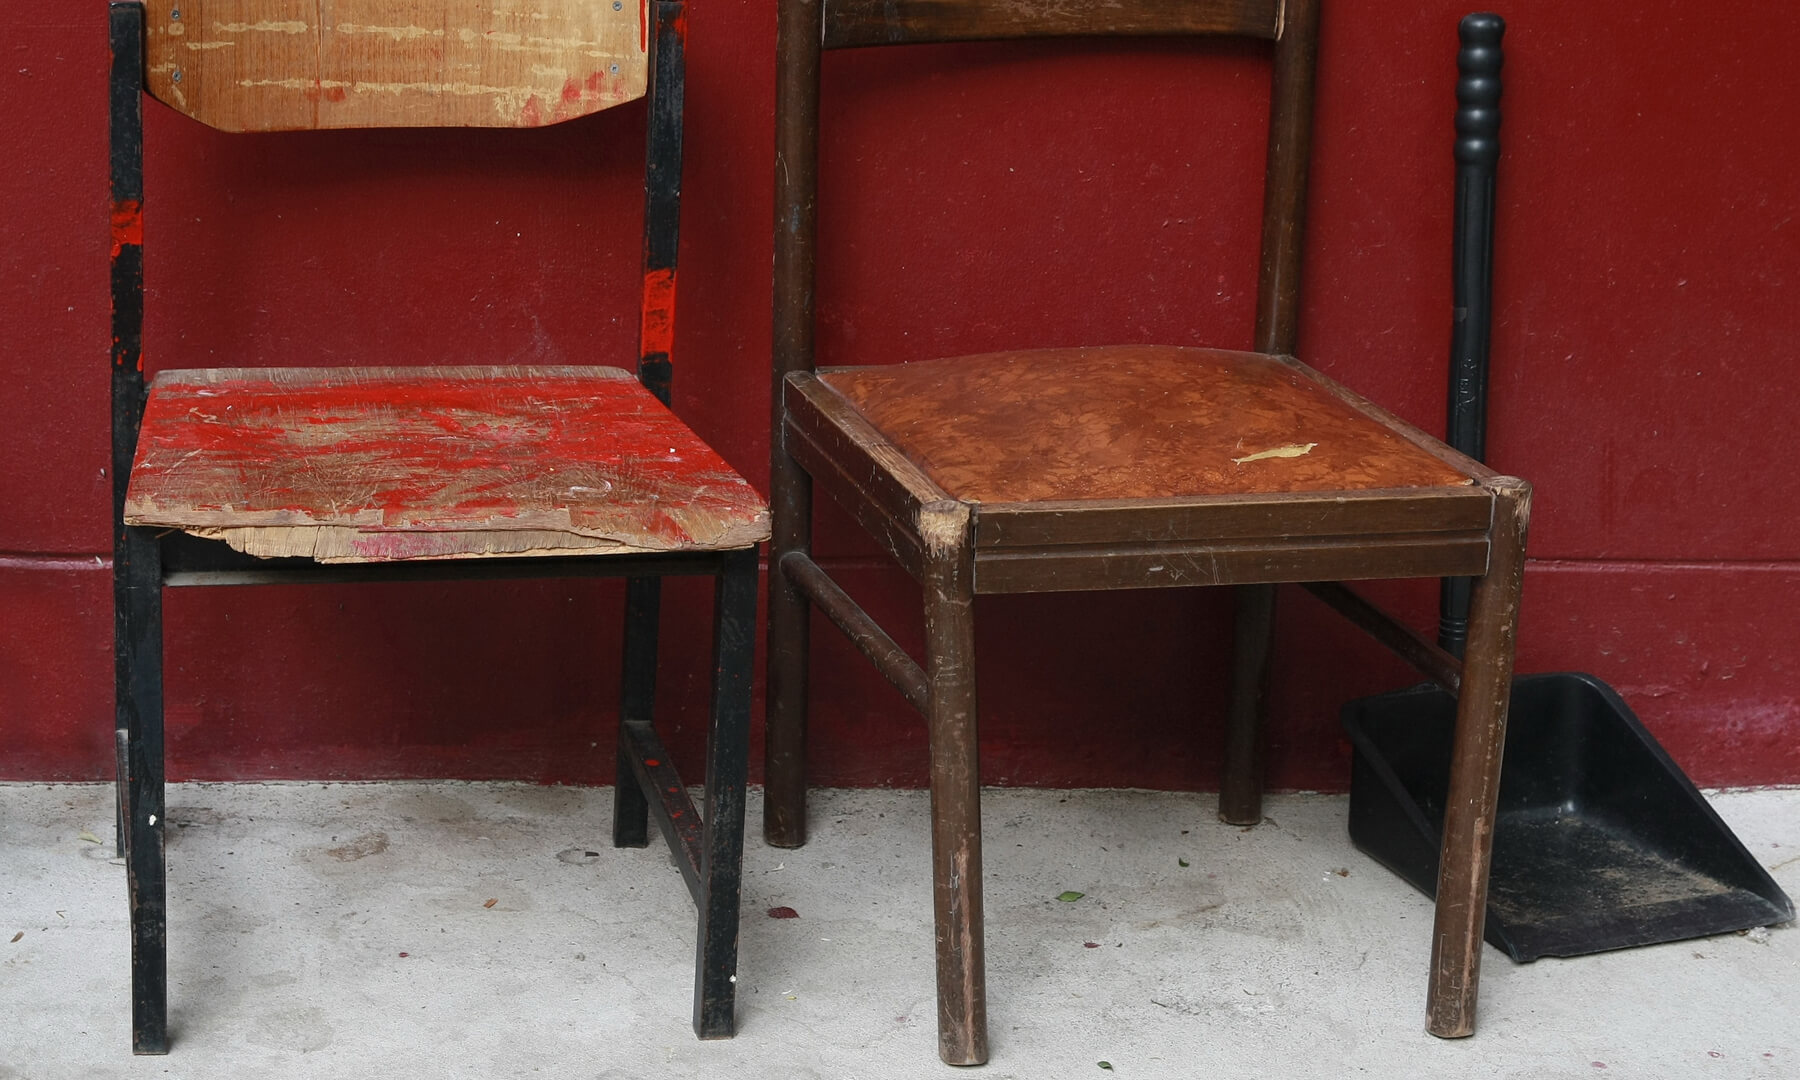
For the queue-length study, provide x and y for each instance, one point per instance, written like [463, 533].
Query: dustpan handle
[1472, 265]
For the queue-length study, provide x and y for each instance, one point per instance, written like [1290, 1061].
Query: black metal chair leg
[121, 769]
[139, 627]
[637, 703]
[727, 769]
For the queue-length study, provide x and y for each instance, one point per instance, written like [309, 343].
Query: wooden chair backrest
[286, 65]
[852, 23]
[807, 27]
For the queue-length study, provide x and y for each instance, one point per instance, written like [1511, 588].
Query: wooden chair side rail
[706, 841]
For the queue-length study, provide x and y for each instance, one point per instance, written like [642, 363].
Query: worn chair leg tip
[150, 1047]
[964, 1058]
[1237, 810]
[630, 837]
[782, 836]
[1458, 1030]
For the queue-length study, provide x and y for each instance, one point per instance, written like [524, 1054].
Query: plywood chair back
[285, 65]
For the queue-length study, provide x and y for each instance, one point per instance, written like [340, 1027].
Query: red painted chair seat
[373, 465]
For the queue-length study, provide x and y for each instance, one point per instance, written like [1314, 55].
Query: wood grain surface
[1130, 422]
[282, 65]
[366, 465]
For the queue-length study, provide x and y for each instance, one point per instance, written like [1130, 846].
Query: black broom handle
[1472, 268]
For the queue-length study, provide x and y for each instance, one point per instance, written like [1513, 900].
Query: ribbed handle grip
[1478, 89]
[1472, 263]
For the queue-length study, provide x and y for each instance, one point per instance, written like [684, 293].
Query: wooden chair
[228, 477]
[1010, 473]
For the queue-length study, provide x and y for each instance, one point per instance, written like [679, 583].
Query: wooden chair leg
[955, 803]
[637, 703]
[1241, 784]
[138, 594]
[790, 615]
[1475, 770]
[727, 772]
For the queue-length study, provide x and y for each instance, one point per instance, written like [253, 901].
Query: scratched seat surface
[372, 464]
[1131, 422]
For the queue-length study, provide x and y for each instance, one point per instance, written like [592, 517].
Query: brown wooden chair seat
[348, 465]
[1113, 468]
[1130, 466]
[1133, 422]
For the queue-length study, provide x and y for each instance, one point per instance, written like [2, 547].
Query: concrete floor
[332, 930]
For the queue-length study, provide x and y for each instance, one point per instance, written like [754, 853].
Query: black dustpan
[1601, 842]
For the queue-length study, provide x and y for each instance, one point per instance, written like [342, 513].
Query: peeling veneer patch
[943, 525]
[398, 33]
[267, 26]
[1292, 450]
[510, 102]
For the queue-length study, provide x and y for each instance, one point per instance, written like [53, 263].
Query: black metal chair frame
[707, 845]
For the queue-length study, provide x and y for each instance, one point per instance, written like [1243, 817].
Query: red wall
[1644, 378]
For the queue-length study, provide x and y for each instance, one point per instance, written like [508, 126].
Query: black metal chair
[253, 476]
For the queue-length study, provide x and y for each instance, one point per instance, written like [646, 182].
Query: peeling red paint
[127, 224]
[402, 454]
[657, 332]
[531, 115]
[644, 25]
[334, 93]
[571, 91]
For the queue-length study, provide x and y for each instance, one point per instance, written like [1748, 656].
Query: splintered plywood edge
[287, 65]
[338, 545]
[379, 465]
